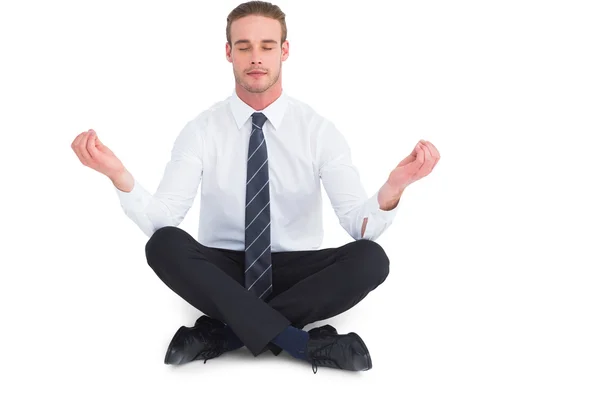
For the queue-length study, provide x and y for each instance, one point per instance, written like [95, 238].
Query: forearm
[388, 198]
[123, 181]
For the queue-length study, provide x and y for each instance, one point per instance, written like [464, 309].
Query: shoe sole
[170, 354]
[358, 338]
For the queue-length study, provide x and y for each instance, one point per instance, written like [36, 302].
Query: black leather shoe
[323, 330]
[205, 340]
[347, 352]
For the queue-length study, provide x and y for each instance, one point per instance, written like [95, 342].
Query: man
[255, 271]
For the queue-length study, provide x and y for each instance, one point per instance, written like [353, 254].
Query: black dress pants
[308, 286]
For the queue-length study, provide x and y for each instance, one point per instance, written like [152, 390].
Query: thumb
[99, 143]
[103, 149]
[414, 151]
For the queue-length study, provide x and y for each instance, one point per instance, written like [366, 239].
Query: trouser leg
[190, 270]
[310, 286]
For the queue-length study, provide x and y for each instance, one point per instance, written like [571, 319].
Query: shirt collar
[242, 111]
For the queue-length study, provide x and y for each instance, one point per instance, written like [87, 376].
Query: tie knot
[259, 119]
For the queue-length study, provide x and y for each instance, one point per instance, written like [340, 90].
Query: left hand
[415, 166]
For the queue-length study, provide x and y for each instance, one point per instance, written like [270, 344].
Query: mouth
[257, 73]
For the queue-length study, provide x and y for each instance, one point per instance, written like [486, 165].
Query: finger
[428, 155]
[91, 145]
[100, 145]
[420, 155]
[406, 160]
[428, 164]
[409, 158]
[434, 158]
[76, 144]
[412, 169]
[85, 154]
[424, 164]
[435, 153]
[77, 140]
[414, 151]
[432, 150]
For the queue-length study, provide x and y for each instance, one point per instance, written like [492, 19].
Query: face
[256, 52]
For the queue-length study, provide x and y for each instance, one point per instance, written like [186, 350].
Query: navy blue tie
[257, 271]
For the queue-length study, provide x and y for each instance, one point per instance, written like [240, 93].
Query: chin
[256, 89]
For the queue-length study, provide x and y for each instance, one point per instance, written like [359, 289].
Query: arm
[387, 199]
[361, 216]
[176, 191]
[124, 181]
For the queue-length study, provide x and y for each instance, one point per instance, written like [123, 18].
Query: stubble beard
[256, 89]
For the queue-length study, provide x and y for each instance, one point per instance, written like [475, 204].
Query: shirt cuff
[378, 219]
[374, 209]
[136, 199]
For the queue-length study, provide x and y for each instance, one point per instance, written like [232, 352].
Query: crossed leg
[308, 286]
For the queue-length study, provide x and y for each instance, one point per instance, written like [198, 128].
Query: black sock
[294, 341]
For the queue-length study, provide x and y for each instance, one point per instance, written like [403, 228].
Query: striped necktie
[257, 270]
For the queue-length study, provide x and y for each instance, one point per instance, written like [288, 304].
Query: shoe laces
[216, 347]
[210, 353]
[322, 356]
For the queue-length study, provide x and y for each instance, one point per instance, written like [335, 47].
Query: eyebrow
[262, 41]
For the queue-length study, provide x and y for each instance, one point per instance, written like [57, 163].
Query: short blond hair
[262, 8]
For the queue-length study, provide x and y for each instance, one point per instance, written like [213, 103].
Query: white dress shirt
[303, 148]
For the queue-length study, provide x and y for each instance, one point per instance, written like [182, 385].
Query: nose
[255, 58]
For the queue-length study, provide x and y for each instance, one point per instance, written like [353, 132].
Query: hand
[92, 153]
[415, 166]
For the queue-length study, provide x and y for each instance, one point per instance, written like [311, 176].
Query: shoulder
[326, 140]
[197, 125]
[218, 110]
[194, 129]
[315, 120]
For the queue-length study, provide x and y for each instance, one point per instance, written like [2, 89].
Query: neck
[259, 101]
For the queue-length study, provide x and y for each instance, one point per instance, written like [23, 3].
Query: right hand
[92, 153]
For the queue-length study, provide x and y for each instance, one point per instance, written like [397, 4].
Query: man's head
[256, 42]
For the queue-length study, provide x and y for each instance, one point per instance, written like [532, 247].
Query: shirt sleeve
[177, 189]
[344, 188]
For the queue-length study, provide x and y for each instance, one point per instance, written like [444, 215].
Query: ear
[228, 52]
[285, 50]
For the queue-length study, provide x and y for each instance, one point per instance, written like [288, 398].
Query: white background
[494, 285]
